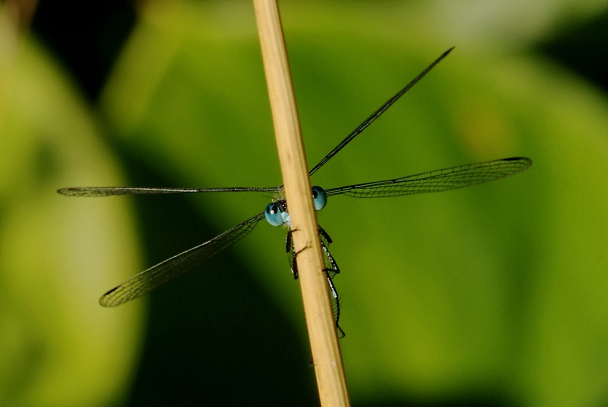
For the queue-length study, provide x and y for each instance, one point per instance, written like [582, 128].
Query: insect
[276, 213]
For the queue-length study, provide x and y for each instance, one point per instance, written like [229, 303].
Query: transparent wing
[436, 181]
[377, 114]
[113, 191]
[177, 265]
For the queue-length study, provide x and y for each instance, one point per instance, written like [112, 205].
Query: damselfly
[276, 213]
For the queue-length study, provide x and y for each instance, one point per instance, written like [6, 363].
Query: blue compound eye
[319, 197]
[273, 214]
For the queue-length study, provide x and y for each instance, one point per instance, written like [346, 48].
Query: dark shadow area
[85, 36]
[583, 49]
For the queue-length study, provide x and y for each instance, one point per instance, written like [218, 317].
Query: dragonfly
[277, 214]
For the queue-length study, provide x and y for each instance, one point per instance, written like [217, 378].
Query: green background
[493, 295]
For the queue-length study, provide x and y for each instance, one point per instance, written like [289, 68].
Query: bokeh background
[494, 295]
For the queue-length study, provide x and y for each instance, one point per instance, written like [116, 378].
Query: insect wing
[177, 265]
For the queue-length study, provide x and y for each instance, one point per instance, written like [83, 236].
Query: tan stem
[315, 293]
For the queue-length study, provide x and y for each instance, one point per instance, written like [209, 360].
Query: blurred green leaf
[57, 255]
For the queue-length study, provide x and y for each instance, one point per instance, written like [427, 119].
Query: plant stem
[324, 344]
